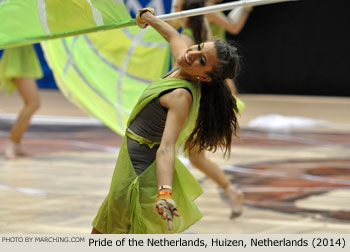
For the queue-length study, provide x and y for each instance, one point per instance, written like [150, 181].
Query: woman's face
[198, 60]
[177, 5]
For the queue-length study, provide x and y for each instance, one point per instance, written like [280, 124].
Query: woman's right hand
[140, 20]
[166, 208]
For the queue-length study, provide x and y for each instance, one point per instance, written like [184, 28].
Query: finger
[176, 213]
[170, 224]
[155, 209]
[160, 209]
[158, 212]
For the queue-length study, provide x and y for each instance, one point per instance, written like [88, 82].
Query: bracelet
[165, 187]
[143, 11]
[164, 193]
[148, 9]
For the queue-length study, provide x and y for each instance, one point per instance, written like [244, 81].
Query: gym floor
[295, 179]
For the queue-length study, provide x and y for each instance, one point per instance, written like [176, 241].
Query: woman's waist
[141, 139]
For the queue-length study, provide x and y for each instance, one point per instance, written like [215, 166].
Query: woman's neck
[179, 74]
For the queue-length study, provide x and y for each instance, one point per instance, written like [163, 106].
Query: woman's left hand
[141, 22]
[166, 207]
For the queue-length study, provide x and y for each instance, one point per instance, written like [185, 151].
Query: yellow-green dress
[188, 32]
[128, 207]
[217, 31]
[16, 63]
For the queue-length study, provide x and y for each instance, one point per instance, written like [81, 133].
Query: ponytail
[217, 122]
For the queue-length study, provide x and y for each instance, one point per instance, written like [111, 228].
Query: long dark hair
[217, 122]
[196, 23]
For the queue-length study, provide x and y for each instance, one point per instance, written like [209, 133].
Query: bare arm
[189, 42]
[224, 22]
[177, 45]
[178, 103]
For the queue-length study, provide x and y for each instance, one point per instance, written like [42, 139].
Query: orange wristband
[160, 193]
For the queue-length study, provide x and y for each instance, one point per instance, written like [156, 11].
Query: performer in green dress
[190, 106]
[196, 30]
[220, 24]
[19, 67]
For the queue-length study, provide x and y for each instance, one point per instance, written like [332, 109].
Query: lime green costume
[188, 32]
[217, 31]
[16, 63]
[128, 208]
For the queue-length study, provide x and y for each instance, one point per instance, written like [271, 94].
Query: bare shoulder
[188, 40]
[178, 98]
[181, 93]
[212, 16]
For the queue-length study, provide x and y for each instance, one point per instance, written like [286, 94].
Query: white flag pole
[218, 7]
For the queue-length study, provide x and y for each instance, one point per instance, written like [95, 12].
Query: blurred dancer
[233, 23]
[196, 30]
[19, 67]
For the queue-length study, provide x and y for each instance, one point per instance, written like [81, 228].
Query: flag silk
[31, 21]
[105, 73]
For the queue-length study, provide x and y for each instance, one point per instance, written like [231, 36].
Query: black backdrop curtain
[300, 47]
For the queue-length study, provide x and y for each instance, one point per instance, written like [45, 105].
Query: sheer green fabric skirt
[128, 208]
[16, 63]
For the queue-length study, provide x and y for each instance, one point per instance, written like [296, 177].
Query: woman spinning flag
[151, 190]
